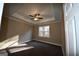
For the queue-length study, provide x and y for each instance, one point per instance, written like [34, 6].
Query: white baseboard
[63, 51]
[50, 43]
[25, 42]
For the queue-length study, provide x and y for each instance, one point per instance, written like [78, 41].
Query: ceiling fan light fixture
[35, 19]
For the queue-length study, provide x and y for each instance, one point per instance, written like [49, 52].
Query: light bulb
[35, 19]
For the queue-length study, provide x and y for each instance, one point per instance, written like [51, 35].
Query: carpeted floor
[40, 49]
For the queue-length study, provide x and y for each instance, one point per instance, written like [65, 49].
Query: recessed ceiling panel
[47, 10]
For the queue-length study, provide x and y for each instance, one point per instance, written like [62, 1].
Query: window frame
[44, 31]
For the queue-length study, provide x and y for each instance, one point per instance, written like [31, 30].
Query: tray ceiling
[50, 12]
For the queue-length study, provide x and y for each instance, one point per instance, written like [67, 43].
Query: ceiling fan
[36, 17]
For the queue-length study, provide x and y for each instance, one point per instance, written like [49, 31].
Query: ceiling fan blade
[35, 15]
[40, 18]
[31, 15]
[38, 14]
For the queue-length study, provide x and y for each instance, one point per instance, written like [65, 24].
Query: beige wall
[4, 24]
[3, 31]
[55, 33]
[12, 32]
[16, 28]
[56, 29]
[12, 27]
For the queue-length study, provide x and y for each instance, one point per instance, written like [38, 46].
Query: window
[1, 10]
[44, 31]
[68, 8]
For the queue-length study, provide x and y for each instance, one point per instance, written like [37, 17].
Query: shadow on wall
[17, 39]
[11, 28]
[8, 42]
[13, 31]
[25, 37]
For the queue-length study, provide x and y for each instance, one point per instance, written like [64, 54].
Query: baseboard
[63, 52]
[24, 42]
[50, 43]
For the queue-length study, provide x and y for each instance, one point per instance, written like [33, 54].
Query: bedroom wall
[56, 27]
[16, 27]
[26, 36]
[55, 33]
[4, 24]
[13, 30]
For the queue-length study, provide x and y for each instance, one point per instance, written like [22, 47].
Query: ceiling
[49, 12]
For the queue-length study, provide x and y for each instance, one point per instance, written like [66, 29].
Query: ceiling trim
[21, 16]
[18, 19]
